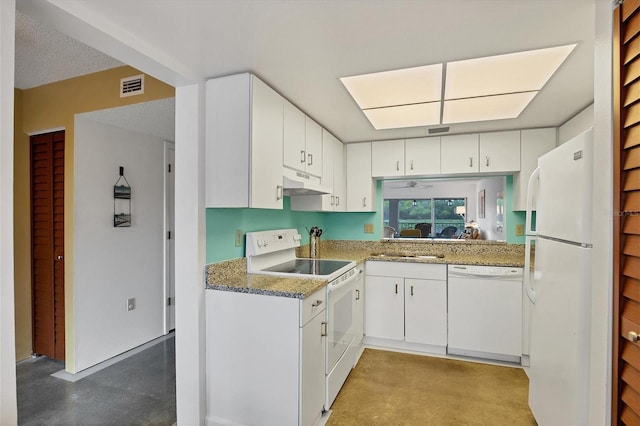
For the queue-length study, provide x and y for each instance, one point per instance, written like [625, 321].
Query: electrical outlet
[131, 304]
[368, 228]
[519, 230]
[238, 237]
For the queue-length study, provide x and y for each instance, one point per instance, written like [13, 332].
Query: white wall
[491, 187]
[114, 264]
[8, 404]
[580, 123]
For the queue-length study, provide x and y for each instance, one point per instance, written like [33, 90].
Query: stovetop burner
[309, 266]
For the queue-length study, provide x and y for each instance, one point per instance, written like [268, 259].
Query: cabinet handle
[412, 290]
[470, 161]
[487, 161]
[337, 200]
[318, 303]
[364, 202]
[411, 164]
[323, 328]
[279, 193]
[398, 165]
[396, 288]
[333, 200]
[357, 294]
[310, 159]
[633, 336]
[302, 156]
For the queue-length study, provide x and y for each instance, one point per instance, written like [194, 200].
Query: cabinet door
[361, 188]
[313, 371]
[533, 143]
[384, 310]
[387, 158]
[459, 154]
[359, 296]
[313, 146]
[295, 154]
[425, 305]
[422, 156]
[266, 147]
[500, 151]
[339, 177]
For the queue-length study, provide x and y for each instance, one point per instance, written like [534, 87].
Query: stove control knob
[260, 243]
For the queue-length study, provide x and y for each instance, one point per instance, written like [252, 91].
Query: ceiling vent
[438, 130]
[130, 86]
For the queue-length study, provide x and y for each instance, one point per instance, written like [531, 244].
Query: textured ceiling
[155, 118]
[302, 48]
[45, 55]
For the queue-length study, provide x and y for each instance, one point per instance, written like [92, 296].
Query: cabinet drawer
[313, 305]
[407, 270]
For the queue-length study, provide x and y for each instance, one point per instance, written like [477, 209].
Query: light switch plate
[368, 228]
[238, 237]
[131, 304]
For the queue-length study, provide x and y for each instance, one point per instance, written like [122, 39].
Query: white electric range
[274, 253]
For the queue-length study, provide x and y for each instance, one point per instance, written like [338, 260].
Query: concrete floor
[139, 390]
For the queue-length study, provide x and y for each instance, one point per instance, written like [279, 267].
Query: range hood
[299, 183]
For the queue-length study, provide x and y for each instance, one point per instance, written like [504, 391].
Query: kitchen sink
[409, 255]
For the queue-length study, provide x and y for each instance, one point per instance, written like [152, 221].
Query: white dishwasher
[484, 317]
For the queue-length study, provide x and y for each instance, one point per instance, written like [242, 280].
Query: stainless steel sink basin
[409, 256]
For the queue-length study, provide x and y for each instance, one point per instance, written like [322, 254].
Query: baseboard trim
[64, 375]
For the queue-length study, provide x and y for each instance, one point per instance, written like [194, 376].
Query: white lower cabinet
[265, 358]
[406, 305]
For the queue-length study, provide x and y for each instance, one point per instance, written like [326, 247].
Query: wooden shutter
[47, 243]
[626, 352]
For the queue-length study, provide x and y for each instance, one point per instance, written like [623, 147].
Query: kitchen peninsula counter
[231, 275]
[485, 253]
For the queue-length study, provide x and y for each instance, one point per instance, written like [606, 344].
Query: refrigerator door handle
[532, 188]
[531, 294]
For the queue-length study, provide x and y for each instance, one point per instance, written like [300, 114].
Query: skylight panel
[394, 88]
[485, 108]
[501, 74]
[416, 115]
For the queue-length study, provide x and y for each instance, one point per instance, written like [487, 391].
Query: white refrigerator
[560, 190]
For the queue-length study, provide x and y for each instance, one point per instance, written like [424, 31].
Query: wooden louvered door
[47, 243]
[626, 297]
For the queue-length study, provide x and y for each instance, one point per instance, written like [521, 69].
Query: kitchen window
[439, 212]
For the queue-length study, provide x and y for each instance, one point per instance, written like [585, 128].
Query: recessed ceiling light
[485, 108]
[480, 89]
[416, 115]
[394, 88]
[510, 73]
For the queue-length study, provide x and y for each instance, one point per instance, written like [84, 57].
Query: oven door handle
[335, 287]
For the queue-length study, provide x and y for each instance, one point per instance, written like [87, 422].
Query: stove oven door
[341, 322]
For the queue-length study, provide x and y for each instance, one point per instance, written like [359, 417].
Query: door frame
[169, 239]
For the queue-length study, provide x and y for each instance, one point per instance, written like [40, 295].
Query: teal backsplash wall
[223, 223]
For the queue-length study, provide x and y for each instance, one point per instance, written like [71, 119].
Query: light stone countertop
[232, 275]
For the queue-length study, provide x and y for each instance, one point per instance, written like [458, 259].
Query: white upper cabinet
[302, 139]
[534, 143]
[459, 154]
[422, 156]
[244, 134]
[333, 176]
[295, 153]
[387, 158]
[500, 151]
[313, 133]
[361, 187]
[495, 152]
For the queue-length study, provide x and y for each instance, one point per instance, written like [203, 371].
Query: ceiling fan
[410, 184]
